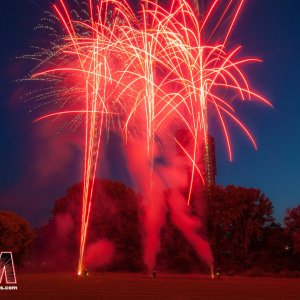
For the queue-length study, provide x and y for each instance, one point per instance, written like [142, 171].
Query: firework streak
[145, 75]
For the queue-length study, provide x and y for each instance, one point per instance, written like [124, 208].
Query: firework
[145, 75]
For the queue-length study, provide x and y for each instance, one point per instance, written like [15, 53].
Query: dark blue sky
[268, 29]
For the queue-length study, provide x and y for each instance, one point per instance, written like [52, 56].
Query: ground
[139, 286]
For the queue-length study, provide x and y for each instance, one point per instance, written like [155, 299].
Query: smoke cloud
[99, 254]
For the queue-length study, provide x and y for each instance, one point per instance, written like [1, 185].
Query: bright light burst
[142, 74]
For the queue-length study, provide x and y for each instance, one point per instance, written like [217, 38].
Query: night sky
[37, 165]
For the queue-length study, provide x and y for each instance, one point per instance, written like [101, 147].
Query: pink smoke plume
[189, 225]
[64, 224]
[153, 180]
[99, 254]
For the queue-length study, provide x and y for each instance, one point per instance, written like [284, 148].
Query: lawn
[137, 286]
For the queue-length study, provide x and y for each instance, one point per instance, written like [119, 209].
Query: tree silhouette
[16, 235]
[114, 217]
[237, 218]
[292, 226]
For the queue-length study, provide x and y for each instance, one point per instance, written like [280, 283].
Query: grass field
[137, 286]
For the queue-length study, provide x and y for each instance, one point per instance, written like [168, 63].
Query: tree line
[238, 222]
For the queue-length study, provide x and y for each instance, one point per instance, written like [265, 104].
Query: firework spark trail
[92, 58]
[152, 73]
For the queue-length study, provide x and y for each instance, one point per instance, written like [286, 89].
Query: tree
[16, 235]
[292, 226]
[114, 217]
[274, 251]
[237, 218]
[176, 253]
